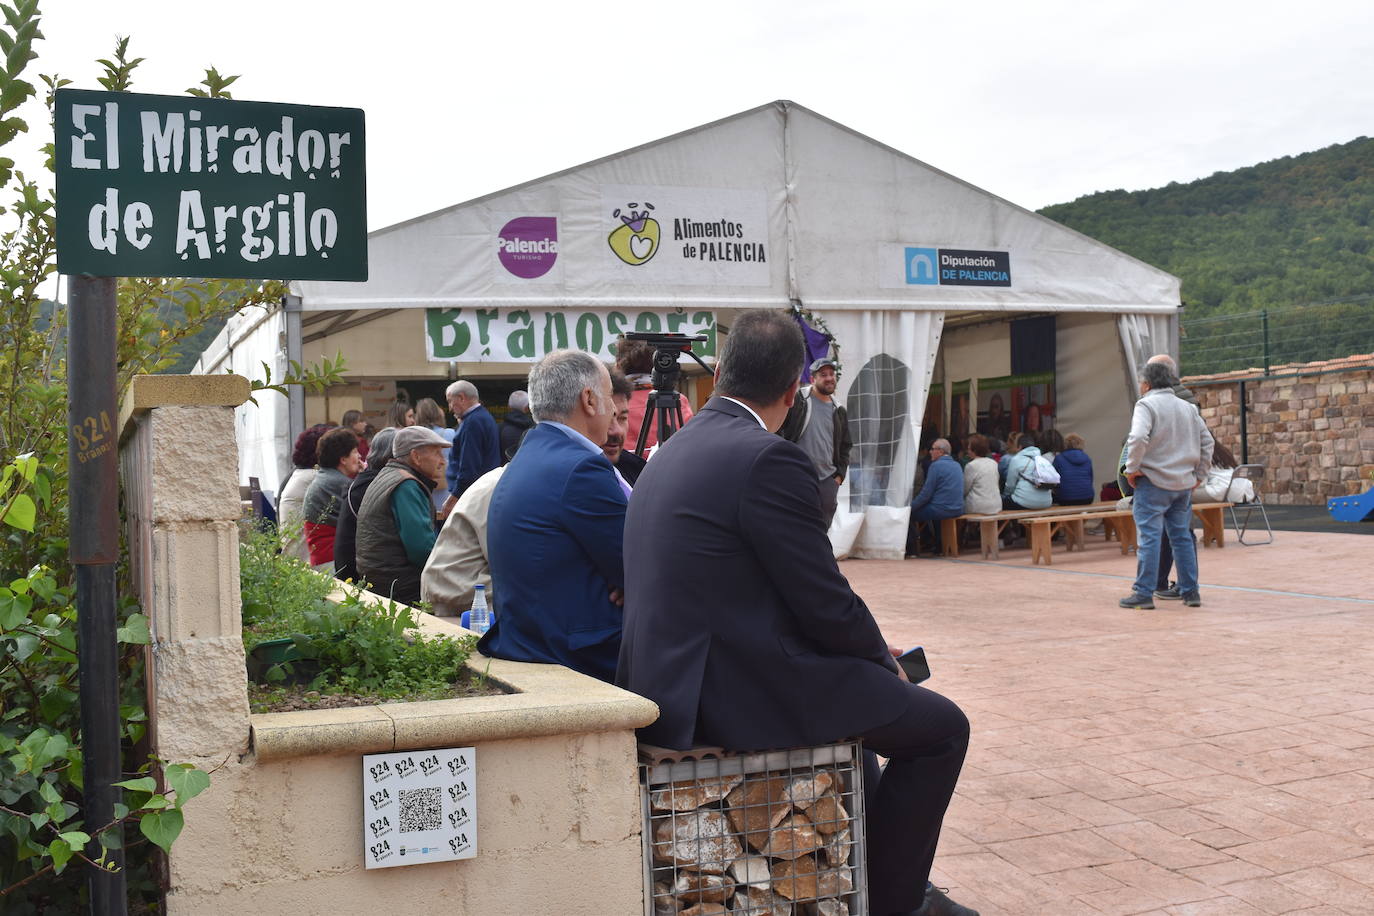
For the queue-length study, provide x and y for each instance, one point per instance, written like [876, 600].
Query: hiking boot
[1169, 594]
[1193, 600]
[1137, 602]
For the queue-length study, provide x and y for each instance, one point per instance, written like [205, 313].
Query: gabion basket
[778, 833]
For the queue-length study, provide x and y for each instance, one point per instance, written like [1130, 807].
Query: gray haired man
[517, 422]
[1168, 452]
[476, 448]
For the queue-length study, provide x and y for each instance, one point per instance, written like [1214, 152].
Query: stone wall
[1311, 426]
[280, 830]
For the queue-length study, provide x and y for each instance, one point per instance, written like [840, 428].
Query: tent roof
[807, 209]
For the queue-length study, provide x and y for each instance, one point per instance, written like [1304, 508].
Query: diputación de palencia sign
[151, 185]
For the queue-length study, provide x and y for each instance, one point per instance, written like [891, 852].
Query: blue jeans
[1159, 512]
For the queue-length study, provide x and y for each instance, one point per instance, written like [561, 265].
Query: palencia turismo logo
[527, 246]
[636, 239]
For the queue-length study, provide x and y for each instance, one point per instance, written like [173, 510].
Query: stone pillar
[179, 469]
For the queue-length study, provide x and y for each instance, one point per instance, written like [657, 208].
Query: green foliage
[345, 647]
[41, 833]
[40, 758]
[1295, 231]
[378, 651]
[278, 591]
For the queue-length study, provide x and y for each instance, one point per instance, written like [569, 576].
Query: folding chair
[1255, 474]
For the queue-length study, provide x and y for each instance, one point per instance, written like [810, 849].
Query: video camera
[664, 406]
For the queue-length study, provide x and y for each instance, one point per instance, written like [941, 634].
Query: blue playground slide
[1352, 508]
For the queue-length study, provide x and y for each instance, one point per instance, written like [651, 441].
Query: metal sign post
[93, 484]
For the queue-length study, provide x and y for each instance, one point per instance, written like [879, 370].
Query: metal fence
[1274, 337]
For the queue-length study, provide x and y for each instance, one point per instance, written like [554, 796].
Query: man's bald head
[1165, 360]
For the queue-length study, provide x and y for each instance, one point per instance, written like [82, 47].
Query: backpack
[1041, 473]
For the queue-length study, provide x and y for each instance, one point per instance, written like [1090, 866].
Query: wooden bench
[1120, 522]
[1042, 524]
[990, 527]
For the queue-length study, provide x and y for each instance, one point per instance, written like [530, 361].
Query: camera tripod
[663, 410]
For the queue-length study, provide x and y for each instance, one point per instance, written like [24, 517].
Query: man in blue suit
[476, 448]
[555, 527]
[741, 627]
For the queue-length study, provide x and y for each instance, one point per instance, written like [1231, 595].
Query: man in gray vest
[821, 428]
[396, 518]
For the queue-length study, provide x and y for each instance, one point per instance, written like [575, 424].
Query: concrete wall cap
[149, 391]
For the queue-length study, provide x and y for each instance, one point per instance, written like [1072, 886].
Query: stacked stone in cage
[767, 844]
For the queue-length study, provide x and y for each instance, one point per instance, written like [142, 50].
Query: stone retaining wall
[280, 830]
[1314, 433]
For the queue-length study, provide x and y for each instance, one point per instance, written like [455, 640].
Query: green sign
[177, 186]
[477, 335]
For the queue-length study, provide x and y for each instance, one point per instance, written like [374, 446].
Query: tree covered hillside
[1292, 231]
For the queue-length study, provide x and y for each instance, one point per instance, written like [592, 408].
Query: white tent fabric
[768, 207]
[883, 387]
[248, 340]
[1142, 336]
[830, 211]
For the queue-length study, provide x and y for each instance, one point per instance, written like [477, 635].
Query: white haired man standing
[476, 448]
[516, 423]
[556, 525]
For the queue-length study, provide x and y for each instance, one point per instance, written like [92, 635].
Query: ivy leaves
[159, 816]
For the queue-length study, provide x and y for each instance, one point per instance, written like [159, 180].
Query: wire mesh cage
[778, 833]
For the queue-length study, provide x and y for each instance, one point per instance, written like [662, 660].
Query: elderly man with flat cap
[396, 519]
[821, 427]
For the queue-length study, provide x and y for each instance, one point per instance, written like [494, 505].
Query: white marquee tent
[771, 207]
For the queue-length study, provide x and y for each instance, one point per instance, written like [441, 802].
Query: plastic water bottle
[479, 617]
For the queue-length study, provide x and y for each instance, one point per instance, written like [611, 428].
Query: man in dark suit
[740, 626]
[555, 525]
[476, 448]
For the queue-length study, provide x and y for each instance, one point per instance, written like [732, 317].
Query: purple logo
[528, 245]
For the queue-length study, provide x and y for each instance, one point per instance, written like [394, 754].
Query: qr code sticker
[421, 809]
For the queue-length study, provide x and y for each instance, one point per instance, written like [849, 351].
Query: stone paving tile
[1127, 900]
[1361, 869]
[1332, 790]
[1218, 906]
[1269, 896]
[1296, 851]
[1223, 873]
[1180, 821]
[1245, 819]
[1161, 883]
[1155, 844]
[1331, 888]
[1000, 882]
[1221, 838]
[1010, 787]
[1204, 761]
[1071, 849]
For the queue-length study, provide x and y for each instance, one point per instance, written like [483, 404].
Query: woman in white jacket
[982, 491]
[1217, 486]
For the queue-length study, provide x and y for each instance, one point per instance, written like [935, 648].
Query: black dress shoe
[938, 904]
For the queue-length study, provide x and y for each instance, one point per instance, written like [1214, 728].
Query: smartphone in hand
[914, 663]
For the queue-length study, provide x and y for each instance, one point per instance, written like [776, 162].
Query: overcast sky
[1039, 103]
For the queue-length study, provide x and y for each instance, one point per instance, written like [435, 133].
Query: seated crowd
[595, 558]
[1030, 471]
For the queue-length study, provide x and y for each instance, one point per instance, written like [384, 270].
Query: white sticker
[419, 806]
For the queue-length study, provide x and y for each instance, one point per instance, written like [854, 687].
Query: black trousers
[906, 801]
[830, 490]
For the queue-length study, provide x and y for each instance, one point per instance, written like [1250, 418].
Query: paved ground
[1312, 518]
[1215, 760]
